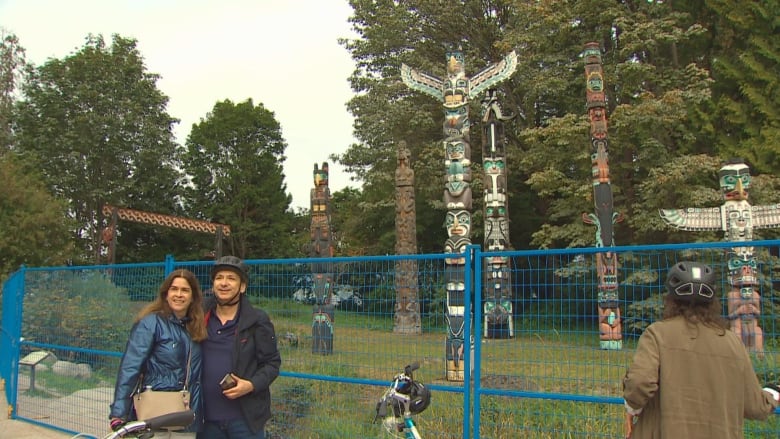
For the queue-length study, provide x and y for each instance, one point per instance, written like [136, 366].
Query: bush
[82, 309]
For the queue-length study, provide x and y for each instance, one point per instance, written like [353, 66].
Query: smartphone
[227, 382]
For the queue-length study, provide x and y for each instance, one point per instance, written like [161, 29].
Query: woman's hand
[628, 425]
[116, 423]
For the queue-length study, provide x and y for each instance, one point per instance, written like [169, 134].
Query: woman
[691, 377]
[163, 341]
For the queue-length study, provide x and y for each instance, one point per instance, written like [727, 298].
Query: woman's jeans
[236, 429]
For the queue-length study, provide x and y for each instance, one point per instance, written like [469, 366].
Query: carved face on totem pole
[498, 211]
[321, 175]
[457, 150]
[734, 181]
[456, 122]
[456, 90]
[458, 223]
[742, 270]
[456, 63]
[495, 179]
[457, 245]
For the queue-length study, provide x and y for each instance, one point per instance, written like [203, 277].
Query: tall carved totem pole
[407, 305]
[455, 92]
[496, 282]
[322, 272]
[610, 327]
[737, 218]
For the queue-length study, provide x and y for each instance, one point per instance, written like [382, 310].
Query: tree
[33, 224]
[655, 81]
[12, 65]
[417, 33]
[745, 56]
[235, 157]
[95, 124]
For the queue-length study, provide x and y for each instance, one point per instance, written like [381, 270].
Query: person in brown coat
[691, 377]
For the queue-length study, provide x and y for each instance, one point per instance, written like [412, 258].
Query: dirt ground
[85, 412]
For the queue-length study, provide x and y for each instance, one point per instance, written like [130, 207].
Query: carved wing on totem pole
[766, 217]
[422, 82]
[694, 218]
[493, 74]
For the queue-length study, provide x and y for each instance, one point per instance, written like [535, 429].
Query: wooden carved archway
[120, 213]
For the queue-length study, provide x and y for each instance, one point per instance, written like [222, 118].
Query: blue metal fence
[549, 380]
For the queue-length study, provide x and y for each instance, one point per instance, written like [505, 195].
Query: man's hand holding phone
[228, 382]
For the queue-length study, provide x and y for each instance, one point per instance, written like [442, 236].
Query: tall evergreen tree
[12, 66]
[235, 157]
[746, 93]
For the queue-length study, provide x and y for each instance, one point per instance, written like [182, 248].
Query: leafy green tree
[649, 92]
[417, 33]
[235, 157]
[655, 81]
[33, 224]
[95, 124]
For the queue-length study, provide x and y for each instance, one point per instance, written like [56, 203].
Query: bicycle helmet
[231, 263]
[419, 398]
[691, 281]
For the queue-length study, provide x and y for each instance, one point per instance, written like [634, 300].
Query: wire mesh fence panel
[548, 374]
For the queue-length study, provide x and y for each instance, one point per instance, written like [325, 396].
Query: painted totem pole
[407, 306]
[610, 326]
[455, 92]
[496, 283]
[737, 218]
[321, 247]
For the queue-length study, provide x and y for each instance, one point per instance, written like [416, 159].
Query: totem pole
[737, 218]
[496, 274]
[610, 327]
[456, 91]
[407, 305]
[321, 247]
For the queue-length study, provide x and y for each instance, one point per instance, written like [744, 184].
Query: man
[691, 377]
[240, 358]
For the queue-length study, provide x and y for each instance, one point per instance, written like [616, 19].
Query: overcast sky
[281, 53]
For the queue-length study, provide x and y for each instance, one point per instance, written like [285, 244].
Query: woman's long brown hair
[196, 324]
[706, 313]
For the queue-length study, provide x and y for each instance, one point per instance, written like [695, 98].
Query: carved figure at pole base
[323, 317]
[610, 325]
[743, 301]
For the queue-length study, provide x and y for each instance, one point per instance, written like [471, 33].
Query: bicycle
[145, 429]
[406, 397]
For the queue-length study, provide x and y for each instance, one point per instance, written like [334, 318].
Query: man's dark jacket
[255, 358]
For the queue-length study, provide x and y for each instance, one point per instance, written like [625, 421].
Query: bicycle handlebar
[175, 419]
[396, 392]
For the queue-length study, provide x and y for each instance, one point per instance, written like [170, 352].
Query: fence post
[477, 265]
[169, 264]
[13, 299]
[470, 277]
